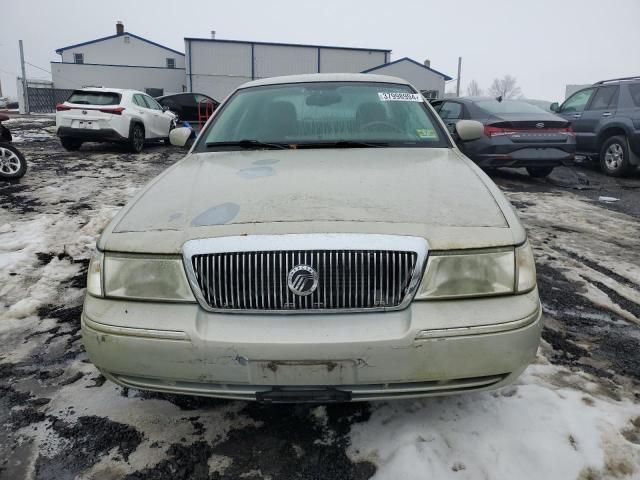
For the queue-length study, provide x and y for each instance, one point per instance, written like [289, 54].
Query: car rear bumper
[430, 348]
[91, 135]
[526, 157]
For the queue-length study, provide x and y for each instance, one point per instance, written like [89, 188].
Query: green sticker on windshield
[426, 133]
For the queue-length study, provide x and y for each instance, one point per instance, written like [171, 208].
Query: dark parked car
[606, 119]
[194, 108]
[516, 134]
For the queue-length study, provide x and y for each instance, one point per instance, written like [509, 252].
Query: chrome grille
[347, 279]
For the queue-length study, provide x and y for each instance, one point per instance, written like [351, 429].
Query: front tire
[12, 162]
[539, 172]
[614, 157]
[136, 138]
[71, 144]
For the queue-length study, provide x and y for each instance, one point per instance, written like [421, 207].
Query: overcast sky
[545, 44]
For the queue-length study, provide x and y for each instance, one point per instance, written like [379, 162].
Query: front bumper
[429, 348]
[91, 135]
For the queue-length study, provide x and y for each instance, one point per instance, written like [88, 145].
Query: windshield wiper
[247, 144]
[343, 144]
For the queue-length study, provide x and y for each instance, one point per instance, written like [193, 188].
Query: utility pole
[25, 92]
[0, 87]
[458, 79]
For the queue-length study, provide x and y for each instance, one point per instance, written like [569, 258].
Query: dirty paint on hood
[388, 185]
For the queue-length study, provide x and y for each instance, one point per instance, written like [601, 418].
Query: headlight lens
[525, 269]
[146, 278]
[468, 275]
[94, 275]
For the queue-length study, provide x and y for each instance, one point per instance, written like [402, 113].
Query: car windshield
[507, 106]
[83, 97]
[313, 115]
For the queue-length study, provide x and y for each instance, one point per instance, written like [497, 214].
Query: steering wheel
[381, 123]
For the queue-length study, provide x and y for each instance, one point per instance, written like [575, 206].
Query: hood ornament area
[302, 280]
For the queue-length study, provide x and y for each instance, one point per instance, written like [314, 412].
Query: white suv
[112, 115]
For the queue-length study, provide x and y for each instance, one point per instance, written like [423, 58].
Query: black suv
[606, 120]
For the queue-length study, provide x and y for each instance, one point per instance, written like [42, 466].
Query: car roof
[325, 77]
[107, 90]
[635, 79]
[162, 97]
[479, 99]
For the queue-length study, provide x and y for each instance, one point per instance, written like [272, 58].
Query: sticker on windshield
[426, 133]
[399, 97]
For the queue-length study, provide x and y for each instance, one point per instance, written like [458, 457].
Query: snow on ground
[574, 414]
[536, 429]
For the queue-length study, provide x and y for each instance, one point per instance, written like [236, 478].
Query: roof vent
[213, 34]
[119, 27]
[427, 63]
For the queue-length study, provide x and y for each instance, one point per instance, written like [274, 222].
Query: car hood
[300, 191]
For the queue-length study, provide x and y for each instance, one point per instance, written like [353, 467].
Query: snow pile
[534, 430]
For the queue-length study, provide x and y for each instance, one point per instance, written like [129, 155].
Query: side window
[577, 102]
[605, 98]
[186, 100]
[171, 63]
[139, 101]
[437, 106]
[152, 104]
[451, 110]
[634, 90]
[78, 58]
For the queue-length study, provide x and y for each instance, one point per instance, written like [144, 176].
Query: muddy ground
[575, 413]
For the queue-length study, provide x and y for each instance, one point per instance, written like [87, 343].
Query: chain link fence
[44, 100]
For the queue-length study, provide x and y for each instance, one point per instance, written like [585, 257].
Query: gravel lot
[574, 414]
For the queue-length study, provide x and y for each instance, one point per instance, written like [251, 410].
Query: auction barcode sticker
[399, 97]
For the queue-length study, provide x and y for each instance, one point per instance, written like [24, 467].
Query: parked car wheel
[539, 172]
[12, 162]
[71, 144]
[614, 157]
[136, 138]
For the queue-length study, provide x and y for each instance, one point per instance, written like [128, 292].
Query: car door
[450, 112]
[145, 113]
[572, 110]
[161, 121]
[601, 107]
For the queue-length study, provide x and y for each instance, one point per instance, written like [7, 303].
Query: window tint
[605, 98]
[450, 110]
[507, 106]
[82, 97]
[577, 101]
[634, 90]
[437, 106]
[139, 100]
[152, 103]
[326, 112]
[185, 100]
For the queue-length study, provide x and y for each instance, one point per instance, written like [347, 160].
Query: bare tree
[474, 90]
[505, 87]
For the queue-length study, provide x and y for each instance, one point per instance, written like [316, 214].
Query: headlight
[525, 269]
[139, 278]
[94, 275]
[478, 274]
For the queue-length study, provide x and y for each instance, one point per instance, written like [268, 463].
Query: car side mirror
[179, 136]
[554, 107]
[468, 130]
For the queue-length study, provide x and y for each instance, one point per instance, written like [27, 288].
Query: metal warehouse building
[123, 60]
[216, 67]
